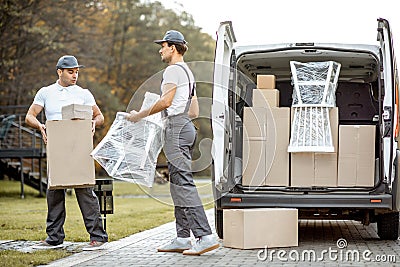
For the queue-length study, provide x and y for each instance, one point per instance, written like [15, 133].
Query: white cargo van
[367, 94]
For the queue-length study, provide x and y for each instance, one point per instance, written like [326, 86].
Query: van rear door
[219, 110]
[391, 98]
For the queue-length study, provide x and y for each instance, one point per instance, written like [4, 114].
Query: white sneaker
[178, 244]
[45, 245]
[203, 245]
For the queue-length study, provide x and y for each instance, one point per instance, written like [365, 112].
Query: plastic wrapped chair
[314, 93]
[129, 151]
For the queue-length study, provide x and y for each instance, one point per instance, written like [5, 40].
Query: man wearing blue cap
[52, 98]
[178, 104]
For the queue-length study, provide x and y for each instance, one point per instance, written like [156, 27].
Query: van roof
[242, 49]
[274, 58]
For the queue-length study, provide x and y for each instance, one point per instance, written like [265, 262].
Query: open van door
[390, 122]
[220, 107]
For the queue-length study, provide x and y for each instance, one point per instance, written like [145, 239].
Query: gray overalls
[180, 137]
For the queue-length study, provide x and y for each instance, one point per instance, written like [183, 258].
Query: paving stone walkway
[26, 246]
[321, 243]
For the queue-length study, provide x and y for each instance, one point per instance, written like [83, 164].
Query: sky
[265, 21]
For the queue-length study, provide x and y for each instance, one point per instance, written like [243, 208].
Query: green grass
[135, 209]
[20, 259]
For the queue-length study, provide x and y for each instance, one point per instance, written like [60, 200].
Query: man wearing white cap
[52, 98]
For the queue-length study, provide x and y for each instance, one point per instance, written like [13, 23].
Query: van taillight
[376, 200]
[236, 199]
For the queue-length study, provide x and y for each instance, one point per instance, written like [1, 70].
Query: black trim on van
[352, 201]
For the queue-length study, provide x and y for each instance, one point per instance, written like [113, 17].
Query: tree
[112, 38]
[34, 34]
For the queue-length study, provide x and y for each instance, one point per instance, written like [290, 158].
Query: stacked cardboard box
[265, 98]
[254, 146]
[317, 169]
[356, 155]
[277, 157]
[266, 94]
[266, 133]
[266, 81]
[76, 112]
[69, 144]
[351, 165]
[266, 137]
[260, 228]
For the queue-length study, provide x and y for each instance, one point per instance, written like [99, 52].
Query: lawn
[136, 209]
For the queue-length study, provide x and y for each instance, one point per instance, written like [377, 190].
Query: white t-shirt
[176, 75]
[53, 97]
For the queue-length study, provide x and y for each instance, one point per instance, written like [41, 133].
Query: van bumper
[349, 201]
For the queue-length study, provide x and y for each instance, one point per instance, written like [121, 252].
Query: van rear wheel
[388, 226]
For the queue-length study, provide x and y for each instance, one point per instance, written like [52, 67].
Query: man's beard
[165, 60]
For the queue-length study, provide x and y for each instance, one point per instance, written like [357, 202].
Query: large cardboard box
[265, 98]
[277, 157]
[253, 167]
[260, 228]
[317, 169]
[69, 144]
[325, 172]
[254, 137]
[265, 140]
[266, 81]
[254, 123]
[313, 169]
[356, 155]
[76, 112]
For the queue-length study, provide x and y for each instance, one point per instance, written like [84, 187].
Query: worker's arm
[97, 119]
[163, 103]
[32, 121]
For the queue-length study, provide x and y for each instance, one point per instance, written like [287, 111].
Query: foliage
[34, 33]
[112, 38]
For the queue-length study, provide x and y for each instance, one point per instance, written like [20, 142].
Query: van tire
[388, 226]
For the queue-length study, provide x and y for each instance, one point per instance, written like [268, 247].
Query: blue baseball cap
[68, 62]
[172, 36]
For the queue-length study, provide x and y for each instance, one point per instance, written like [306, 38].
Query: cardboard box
[277, 157]
[253, 168]
[313, 169]
[317, 169]
[265, 98]
[325, 172]
[69, 144]
[254, 136]
[265, 140]
[254, 123]
[302, 169]
[260, 228]
[266, 81]
[76, 112]
[356, 155]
